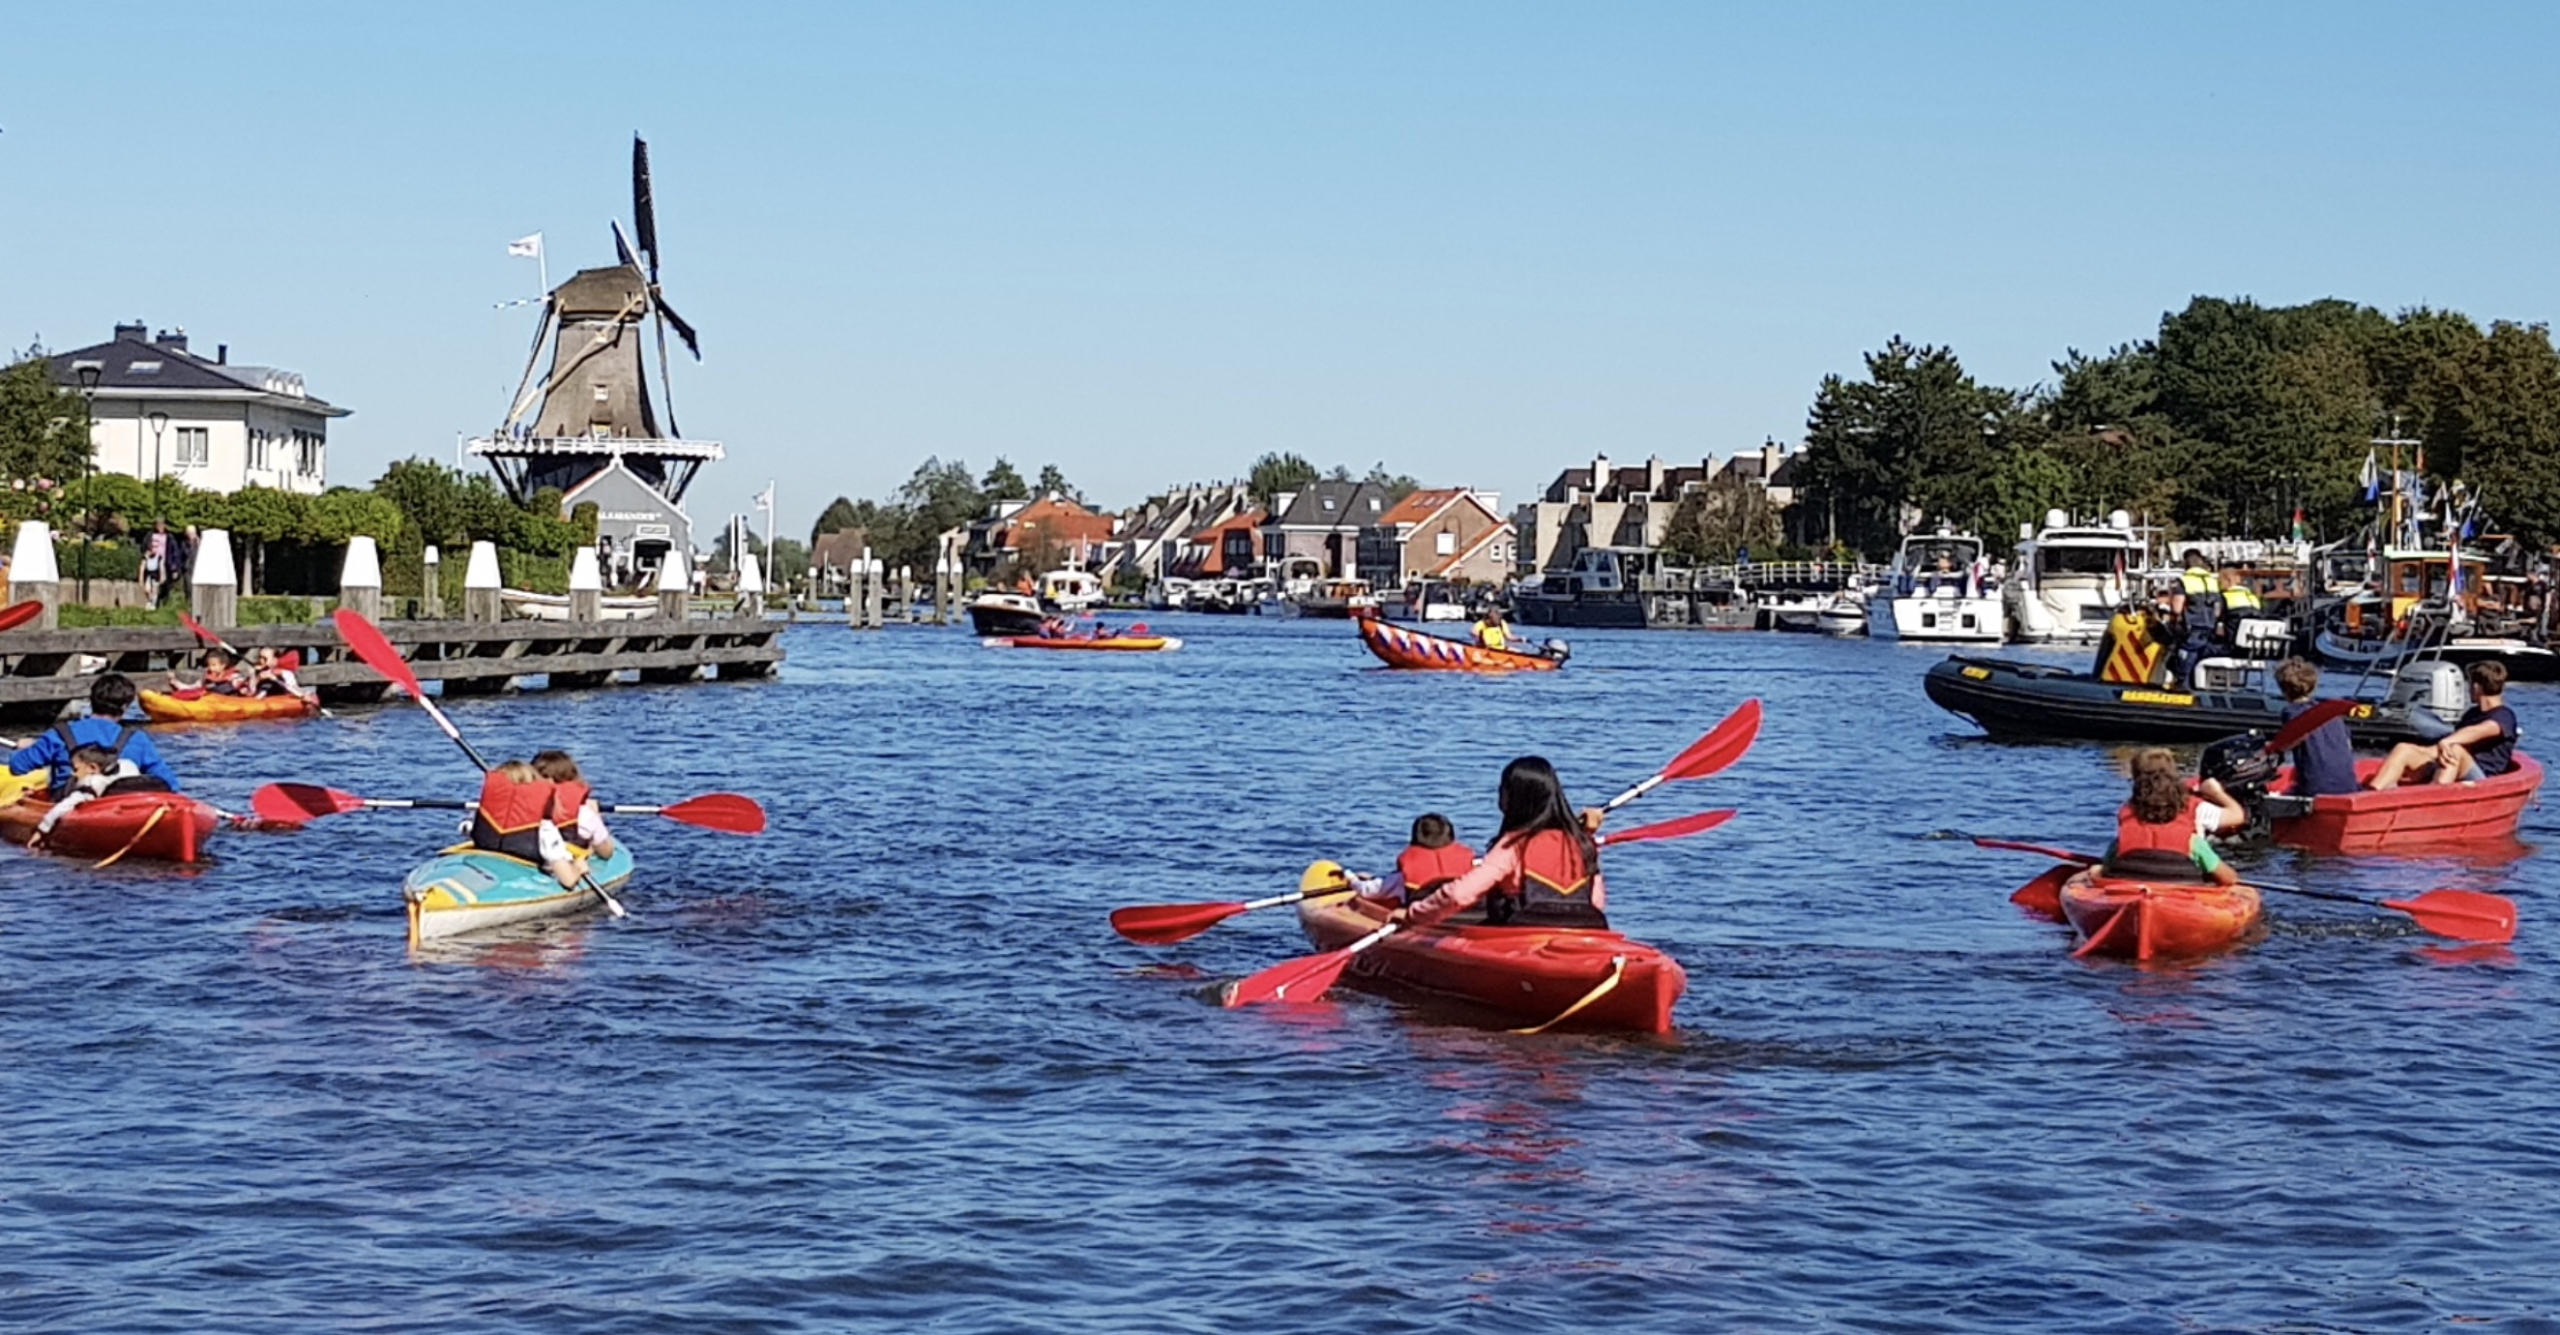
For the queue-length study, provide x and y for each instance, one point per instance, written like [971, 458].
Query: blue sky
[1149, 242]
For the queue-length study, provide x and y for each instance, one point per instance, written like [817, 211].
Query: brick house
[1448, 533]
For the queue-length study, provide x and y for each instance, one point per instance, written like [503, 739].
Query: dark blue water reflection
[886, 1068]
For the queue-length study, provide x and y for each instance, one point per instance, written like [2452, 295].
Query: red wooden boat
[2421, 817]
[1400, 648]
[167, 827]
[1533, 974]
[2136, 919]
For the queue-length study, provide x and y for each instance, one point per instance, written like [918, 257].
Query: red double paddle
[2464, 915]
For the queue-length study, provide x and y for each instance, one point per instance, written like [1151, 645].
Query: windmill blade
[622, 251]
[644, 210]
[684, 331]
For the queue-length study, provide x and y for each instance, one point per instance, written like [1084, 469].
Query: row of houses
[1347, 529]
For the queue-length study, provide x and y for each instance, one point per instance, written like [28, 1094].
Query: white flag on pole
[530, 247]
[764, 499]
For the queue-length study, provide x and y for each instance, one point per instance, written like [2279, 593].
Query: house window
[1446, 544]
[195, 447]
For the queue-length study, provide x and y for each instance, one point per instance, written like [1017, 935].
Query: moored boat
[2417, 817]
[1938, 589]
[997, 612]
[1401, 648]
[2068, 578]
[211, 707]
[1532, 974]
[1126, 644]
[467, 889]
[163, 827]
[2132, 918]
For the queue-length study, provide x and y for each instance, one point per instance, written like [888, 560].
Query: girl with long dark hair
[1543, 869]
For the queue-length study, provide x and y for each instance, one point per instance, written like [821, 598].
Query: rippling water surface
[886, 1067]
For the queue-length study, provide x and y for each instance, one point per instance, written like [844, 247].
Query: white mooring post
[33, 573]
[431, 585]
[675, 588]
[750, 586]
[586, 586]
[480, 585]
[214, 585]
[360, 579]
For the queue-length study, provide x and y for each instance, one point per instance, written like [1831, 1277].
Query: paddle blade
[729, 813]
[1301, 979]
[366, 642]
[2043, 895]
[1724, 744]
[1164, 924]
[2040, 850]
[1669, 829]
[19, 614]
[2465, 915]
[2313, 720]
[297, 803]
[196, 628]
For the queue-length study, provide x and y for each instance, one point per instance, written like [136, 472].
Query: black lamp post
[88, 372]
[159, 422]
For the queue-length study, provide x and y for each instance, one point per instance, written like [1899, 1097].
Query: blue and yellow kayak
[466, 889]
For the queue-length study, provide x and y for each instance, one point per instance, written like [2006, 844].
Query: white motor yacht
[1938, 590]
[2069, 578]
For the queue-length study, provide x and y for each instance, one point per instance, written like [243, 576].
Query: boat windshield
[1939, 554]
[2079, 560]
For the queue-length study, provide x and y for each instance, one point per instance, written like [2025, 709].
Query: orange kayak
[2141, 920]
[1400, 648]
[1532, 974]
[167, 827]
[1124, 644]
[209, 707]
[2413, 817]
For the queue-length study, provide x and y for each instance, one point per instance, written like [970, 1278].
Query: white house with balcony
[161, 410]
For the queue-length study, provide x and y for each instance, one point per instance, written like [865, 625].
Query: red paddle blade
[2313, 720]
[1724, 744]
[1669, 829]
[2043, 895]
[2465, 915]
[1301, 979]
[2040, 850]
[196, 628]
[296, 803]
[19, 614]
[367, 643]
[729, 813]
[1164, 924]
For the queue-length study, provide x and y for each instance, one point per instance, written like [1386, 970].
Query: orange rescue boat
[1400, 648]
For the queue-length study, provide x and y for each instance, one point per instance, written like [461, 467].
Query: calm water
[887, 1068]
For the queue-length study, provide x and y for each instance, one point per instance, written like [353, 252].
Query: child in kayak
[95, 772]
[2162, 831]
[514, 817]
[223, 675]
[2325, 763]
[1543, 869]
[573, 804]
[2481, 746]
[271, 674]
[1433, 859]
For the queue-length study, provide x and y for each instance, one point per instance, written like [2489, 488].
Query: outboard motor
[2244, 767]
[1556, 650]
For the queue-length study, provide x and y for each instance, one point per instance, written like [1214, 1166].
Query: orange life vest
[567, 799]
[509, 807]
[1553, 888]
[2159, 851]
[1428, 869]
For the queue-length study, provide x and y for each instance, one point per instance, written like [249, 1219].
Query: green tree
[841, 514]
[1914, 441]
[1273, 474]
[1715, 522]
[936, 498]
[43, 430]
[1053, 482]
[1003, 482]
[1396, 485]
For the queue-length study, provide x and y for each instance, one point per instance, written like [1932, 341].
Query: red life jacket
[1428, 869]
[509, 807]
[1554, 885]
[2162, 852]
[567, 799]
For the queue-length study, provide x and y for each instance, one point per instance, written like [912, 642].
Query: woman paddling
[1543, 869]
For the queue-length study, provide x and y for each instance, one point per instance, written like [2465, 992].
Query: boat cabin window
[2079, 560]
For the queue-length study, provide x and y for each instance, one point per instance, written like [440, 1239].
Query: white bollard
[360, 579]
[214, 583]
[33, 573]
[480, 585]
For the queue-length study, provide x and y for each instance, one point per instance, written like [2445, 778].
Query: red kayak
[166, 827]
[2139, 920]
[1533, 974]
[2414, 817]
